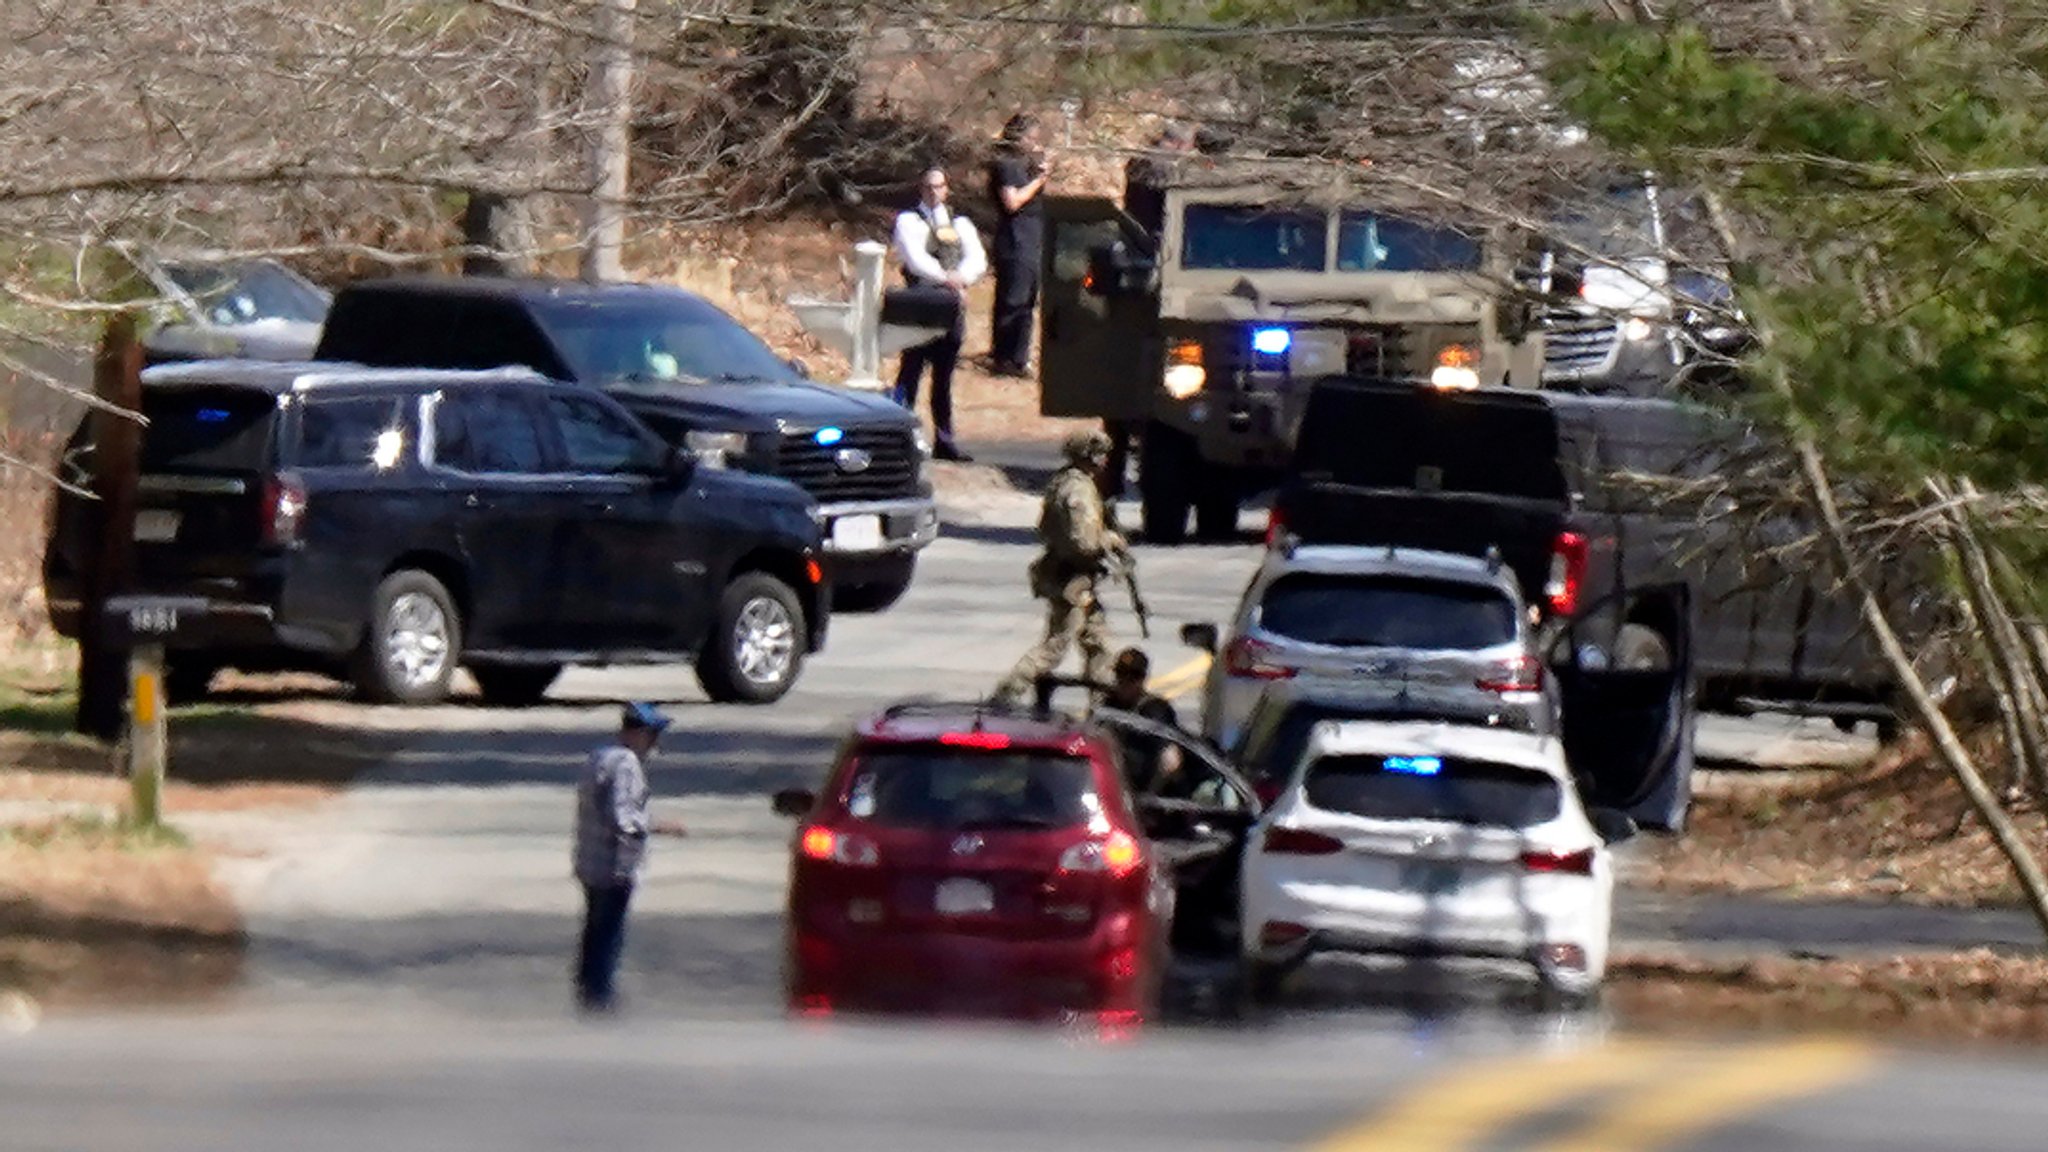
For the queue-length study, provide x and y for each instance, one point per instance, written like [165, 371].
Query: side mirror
[1203, 636]
[1614, 826]
[794, 802]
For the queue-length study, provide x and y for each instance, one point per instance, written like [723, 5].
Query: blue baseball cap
[644, 716]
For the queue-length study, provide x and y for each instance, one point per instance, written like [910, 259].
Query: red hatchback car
[978, 861]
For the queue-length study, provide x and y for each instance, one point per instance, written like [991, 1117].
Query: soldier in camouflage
[1079, 545]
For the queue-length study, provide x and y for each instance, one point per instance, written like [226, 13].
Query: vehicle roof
[279, 377]
[524, 288]
[1425, 738]
[1379, 560]
[923, 722]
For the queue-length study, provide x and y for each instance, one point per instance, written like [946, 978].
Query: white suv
[1376, 617]
[1428, 839]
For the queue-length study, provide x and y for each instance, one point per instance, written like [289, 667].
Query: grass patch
[94, 831]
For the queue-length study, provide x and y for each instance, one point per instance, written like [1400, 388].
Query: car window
[1433, 788]
[207, 430]
[1253, 238]
[487, 432]
[1386, 611]
[658, 340]
[245, 293]
[940, 788]
[363, 432]
[597, 440]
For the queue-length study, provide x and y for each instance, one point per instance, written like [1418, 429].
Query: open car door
[1628, 717]
[1197, 819]
[1097, 331]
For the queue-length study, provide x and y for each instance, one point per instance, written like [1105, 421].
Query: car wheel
[1552, 996]
[1264, 981]
[756, 646]
[514, 685]
[408, 655]
[874, 595]
[1641, 648]
[1165, 484]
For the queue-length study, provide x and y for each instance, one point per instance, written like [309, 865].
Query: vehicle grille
[1376, 351]
[1578, 345]
[891, 470]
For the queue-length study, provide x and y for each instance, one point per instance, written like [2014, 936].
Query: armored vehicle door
[1098, 322]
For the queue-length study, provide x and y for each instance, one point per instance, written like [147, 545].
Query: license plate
[857, 533]
[156, 525]
[1431, 878]
[958, 897]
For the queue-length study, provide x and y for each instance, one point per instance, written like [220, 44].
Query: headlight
[923, 442]
[1457, 368]
[1637, 329]
[1185, 375]
[713, 449]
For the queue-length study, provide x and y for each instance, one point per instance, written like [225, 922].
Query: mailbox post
[143, 626]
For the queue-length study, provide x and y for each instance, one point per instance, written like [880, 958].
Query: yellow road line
[1476, 1100]
[1181, 679]
[1732, 1086]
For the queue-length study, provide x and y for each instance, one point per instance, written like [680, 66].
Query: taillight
[1567, 573]
[1117, 854]
[987, 741]
[1247, 659]
[284, 509]
[1578, 863]
[829, 846]
[1276, 526]
[1521, 674]
[1295, 842]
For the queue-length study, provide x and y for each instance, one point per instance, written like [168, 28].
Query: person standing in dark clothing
[1016, 179]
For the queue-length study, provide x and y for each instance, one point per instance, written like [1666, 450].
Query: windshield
[1433, 788]
[207, 430]
[231, 294]
[1253, 238]
[1618, 224]
[1386, 612]
[1371, 242]
[667, 338]
[946, 788]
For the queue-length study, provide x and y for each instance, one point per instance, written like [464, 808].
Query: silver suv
[1449, 627]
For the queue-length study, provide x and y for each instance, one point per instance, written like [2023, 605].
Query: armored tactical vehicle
[1207, 335]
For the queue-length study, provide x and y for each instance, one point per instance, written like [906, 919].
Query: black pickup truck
[1541, 476]
[390, 525]
[694, 375]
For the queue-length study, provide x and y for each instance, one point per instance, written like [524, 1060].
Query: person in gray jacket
[612, 826]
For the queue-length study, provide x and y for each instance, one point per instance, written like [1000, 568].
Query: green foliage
[1907, 306]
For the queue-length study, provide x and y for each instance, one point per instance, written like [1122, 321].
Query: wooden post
[608, 102]
[116, 464]
[148, 741]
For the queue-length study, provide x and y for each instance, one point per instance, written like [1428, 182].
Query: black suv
[696, 376]
[388, 525]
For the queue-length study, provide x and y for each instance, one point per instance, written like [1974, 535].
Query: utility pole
[608, 102]
[116, 463]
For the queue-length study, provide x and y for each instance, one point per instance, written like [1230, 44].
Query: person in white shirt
[939, 249]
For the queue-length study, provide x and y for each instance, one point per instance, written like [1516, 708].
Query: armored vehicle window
[1368, 242]
[1253, 238]
[355, 433]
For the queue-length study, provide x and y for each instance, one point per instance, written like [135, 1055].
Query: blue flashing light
[1414, 765]
[829, 436]
[1271, 341]
[213, 415]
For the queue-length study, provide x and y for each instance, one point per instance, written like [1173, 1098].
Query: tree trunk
[609, 106]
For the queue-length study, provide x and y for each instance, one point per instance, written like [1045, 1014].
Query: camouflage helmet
[1086, 447]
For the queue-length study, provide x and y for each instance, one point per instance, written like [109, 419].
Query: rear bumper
[221, 623]
[1429, 928]
[1114, 968]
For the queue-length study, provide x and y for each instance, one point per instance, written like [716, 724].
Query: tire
[1264, 982]
[514, 685]
[874, 595]
[409, 652]
[756, 646]
[1165, 484]
[1216, 507]
[187, 679]
[1641, 648]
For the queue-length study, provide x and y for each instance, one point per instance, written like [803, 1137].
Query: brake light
[825, 845]
[1117, 854]
[1521, 674]
[1567, 573]
[1295, 842]
[284, 509]
[1276, 526]
[983, 740]
[1246, 659]
[1578, 863]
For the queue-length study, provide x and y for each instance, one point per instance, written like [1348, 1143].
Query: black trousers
[1009, 341]
[604, 940]
[941, 354]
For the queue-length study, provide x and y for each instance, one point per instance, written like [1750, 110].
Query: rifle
[1125, 566]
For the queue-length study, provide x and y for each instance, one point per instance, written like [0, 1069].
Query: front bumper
[863, 529]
